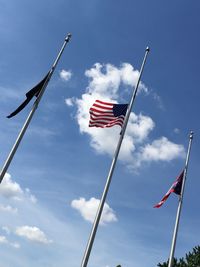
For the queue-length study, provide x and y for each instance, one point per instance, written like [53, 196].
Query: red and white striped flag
[175, 188]
[104, 114]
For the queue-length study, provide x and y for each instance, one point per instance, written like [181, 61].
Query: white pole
[35, 105]
[171, 257]
[106, 188]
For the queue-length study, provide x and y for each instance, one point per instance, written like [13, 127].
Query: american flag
[104, 114]
[175, 188]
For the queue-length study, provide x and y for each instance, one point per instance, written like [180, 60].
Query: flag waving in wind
[175, 188]
[29, 95]
[104, 114]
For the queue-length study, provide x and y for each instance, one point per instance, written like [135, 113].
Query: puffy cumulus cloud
[33, 234]
[13, 190]
[89, 208]
[104, 83]
[9, 188]
[161, 150]
[65, 75]
[139, 127]
[106, 79]
[104, 140]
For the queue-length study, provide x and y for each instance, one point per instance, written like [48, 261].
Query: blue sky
[49, 196]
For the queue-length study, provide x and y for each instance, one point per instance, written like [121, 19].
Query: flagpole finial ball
[69, 35]
[147, 49]
[191, 134]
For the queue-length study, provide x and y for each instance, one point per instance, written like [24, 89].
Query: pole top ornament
[191, 134]
[69, 35]
[147, 49]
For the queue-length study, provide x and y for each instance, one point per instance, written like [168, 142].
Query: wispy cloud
[158, 99]
[8, 93]
[177, 130]
[15, 245]
[41, 131]
[88, 209]
[6, 229]
[8, 208]
[5, 241]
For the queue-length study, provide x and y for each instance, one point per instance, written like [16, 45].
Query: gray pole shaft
[109, 178]
[171, 257]
[28, 120]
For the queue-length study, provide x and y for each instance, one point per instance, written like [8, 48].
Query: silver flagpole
[35, 105]
[171, 257]
[106, 188]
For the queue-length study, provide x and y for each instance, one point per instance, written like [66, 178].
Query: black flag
[29, 95]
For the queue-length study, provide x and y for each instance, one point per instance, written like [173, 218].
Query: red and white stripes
[101, 115]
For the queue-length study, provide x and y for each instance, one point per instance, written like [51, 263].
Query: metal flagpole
[171, 257]
[35, 105]
[106, 188]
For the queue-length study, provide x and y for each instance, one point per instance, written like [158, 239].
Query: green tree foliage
[192, 259]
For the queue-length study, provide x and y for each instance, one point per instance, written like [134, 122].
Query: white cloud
[89, 208]
[70, 101]
[161, 150]
[3, 239]
[106, 79]
[10, 188]
[33, 234]
[158, 99]
[177, 131]
[8, 208]
[15, 245]
[13, 190]
[139, 127]
[104, 140]
[104, 83]
[65, 75]
[32, 198]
